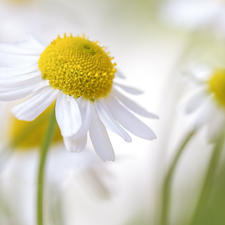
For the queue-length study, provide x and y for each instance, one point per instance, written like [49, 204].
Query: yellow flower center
[217, 85]
[37, 130]
[78, 67]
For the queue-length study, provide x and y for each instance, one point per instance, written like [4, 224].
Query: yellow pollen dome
[78, 67]
[217, 85]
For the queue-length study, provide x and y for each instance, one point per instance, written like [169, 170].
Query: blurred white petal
[195, 101]
[216, 125]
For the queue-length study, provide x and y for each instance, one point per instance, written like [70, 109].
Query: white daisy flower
[80, 74]
[207, 102]
[195, 14]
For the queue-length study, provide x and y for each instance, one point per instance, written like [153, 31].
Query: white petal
[73, 145]
[29, 45]
[15, 49]
[100, 139]
[20, 90]
[119, 75]
[32, 43]
[36, 43]
[34, 106]
[86, 108]
[11, 60]
[195, 101]
[133, 106]
[18, 71]
[200, 72]
[109, 121]
[8, 80]
[16, 65]
[216, 124]
[205, 112]
[68, 115]
[129, 90]
[128, 120]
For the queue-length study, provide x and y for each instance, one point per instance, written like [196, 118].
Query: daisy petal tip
[18, 116]
[105, 159]
[68, 150]
[113, 160]
[129, 140]
[155, 117]
[109, 160]
[72, 151]
[151, 116]
[138, 92]
[152, 137]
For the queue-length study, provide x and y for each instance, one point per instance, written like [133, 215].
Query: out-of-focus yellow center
[78, 67]
[37, 130]
[217, 85]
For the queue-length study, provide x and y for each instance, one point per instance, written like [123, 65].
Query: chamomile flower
[79, 74]
[207, 101]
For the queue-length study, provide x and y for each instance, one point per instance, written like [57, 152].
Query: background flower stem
[43, 155]
[166, 189]
[208, 181]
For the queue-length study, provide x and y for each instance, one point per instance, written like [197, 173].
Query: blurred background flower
[207, 101]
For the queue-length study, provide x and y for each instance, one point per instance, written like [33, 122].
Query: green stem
[209, 180]
[166, 191]
[44, 150]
